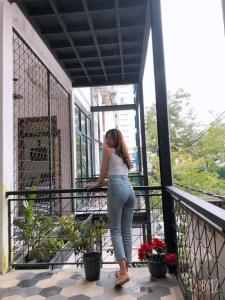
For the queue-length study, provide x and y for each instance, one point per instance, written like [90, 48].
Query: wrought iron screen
[42, 137]
[201, 253]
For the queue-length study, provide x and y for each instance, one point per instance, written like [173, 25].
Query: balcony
[65, 276]
[198, 226]
[98, 44]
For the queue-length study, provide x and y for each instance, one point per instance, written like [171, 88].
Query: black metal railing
[200, 239]
[208, 196]
[33, 228]
[136, 179]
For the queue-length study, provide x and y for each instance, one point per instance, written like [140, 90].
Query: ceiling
[97, 42]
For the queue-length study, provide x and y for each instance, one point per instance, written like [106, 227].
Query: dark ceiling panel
[100, 5]
[68, 6]
[98, 42]
[40, 7]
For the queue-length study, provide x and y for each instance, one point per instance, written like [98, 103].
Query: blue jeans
[120, 204]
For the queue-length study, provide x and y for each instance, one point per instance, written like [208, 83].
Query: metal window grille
[42, 135]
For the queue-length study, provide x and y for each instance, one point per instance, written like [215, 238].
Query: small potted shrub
[85, 238]
[91, 236]
[156, 254]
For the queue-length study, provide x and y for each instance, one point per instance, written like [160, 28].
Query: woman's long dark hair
[119, 145]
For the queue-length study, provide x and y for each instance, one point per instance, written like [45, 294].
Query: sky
[194, 50]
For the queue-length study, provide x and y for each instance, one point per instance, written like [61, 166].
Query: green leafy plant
[38, 232]
[84, 237]
[70, 232]
[91, 235]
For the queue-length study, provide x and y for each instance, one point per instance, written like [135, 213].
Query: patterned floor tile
[8, 283]
[30, 291]
[50, 291]
[56, 297]
[23, 276]
[168, 297]
[15, 297]
[175, 291]
[79, 297]
[125, 297]
[58, 275]
[65, 282]
[71, 285]
[157, 292]
[15, 290]
[35, 297]
[46, 283]
[83, 287]
[76, 276]
[43, 275]
[27, 283]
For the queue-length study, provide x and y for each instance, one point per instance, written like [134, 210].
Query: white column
[6, 124]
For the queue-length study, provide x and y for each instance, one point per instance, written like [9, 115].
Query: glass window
[83, 123]
[88, 127]
[97, 158]
[84, 156]
[78, 155]
[77, 118]
[83, 144]
[89, 158]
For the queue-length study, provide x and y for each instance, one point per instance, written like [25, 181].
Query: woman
[120, 201]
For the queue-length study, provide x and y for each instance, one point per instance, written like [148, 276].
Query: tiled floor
[71, 285]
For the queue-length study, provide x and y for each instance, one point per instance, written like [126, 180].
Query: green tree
[197, 158]
[211, 147]
[183, 127]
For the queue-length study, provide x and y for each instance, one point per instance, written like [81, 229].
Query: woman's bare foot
[118, 272]
[121, 279]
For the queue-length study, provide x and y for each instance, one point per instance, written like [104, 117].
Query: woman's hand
[94, 185]
[91, 185]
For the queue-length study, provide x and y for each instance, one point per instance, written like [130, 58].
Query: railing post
[162, 123]
[49, 140]
[223, 9]
[137, 135]
[9, 232]
[144, 159]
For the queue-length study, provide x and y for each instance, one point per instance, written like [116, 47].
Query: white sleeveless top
[116, 165]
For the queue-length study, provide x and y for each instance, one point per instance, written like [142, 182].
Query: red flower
[156, 250]
[144, 251]
[171, 259]
[157, 244]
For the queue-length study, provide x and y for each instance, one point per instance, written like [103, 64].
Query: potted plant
[91, 236]
[156, 254]
[85, 238]
[38, 234]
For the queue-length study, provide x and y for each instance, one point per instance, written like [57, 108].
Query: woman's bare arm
[103, 170]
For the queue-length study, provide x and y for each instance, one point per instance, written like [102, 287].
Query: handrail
[201, 192]
[96, 176]
[77, 190]
[209, 211]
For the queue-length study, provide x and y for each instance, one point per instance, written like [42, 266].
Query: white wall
[6, 125]
[82, 97]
